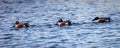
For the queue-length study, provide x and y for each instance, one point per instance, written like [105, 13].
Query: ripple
[91, 42]
[63, 40]
[94, 47]
[109, 36]
[56, 46]
[50, 37]
[6, 36]
[117, 39]
[7, 2]
[75, 24]
[2, 16]
[49, 25]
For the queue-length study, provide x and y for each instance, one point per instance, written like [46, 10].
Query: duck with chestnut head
[20, 24]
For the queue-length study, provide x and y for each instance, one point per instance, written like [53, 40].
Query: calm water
[43, 33]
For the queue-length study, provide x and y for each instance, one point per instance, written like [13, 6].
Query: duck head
[17, 22]
[95, 18]
[60, 20]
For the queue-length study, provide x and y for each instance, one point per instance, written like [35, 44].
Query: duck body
[101, 19]
[63, 23]
[21, 25]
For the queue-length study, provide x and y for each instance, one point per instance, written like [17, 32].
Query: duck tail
[69, 22]
[109, 19]
[26, 24]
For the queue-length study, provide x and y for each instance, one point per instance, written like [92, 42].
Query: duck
[60, 22]
[101, 19]
[20, 24]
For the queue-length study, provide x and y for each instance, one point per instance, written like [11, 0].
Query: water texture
[42, 16]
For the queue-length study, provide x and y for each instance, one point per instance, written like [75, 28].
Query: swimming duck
[101, 19]
[20, 24]
[63, 23]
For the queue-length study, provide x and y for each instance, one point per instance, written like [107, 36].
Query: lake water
[42, 16]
